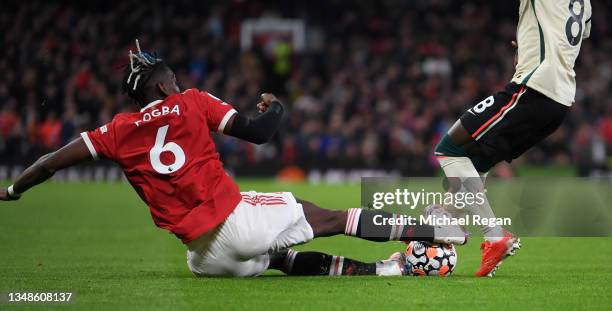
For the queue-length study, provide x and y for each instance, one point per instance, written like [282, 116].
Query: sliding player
[167, 154]
[505, 125]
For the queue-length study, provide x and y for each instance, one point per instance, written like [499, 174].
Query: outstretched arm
[73, 153]
[260, 129]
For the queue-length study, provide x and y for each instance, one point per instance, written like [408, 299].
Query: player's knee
[446, 147]
[439, 149]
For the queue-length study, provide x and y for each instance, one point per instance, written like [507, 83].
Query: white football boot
[394, 266]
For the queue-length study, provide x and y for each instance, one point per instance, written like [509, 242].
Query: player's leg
[534, 119]
[362, 223]
[266, 223]
[501, 127]
[463, 166]
[261, 224]
[296, 229]
[483, 137]
[470, 148]
[315, 263]
[220, 260]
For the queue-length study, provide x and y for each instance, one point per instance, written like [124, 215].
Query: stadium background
[376, 85]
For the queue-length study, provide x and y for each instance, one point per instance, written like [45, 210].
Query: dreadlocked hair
[143, 66]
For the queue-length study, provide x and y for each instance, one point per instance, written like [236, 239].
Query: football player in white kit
[533, 105]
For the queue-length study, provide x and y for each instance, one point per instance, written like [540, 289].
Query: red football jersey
[168, 155]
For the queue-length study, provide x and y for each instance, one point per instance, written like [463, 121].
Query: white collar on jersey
[151, 104]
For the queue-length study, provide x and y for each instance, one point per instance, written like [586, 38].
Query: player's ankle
[493, 234]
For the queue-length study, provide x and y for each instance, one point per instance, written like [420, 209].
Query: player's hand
[515, 46]
[266, 100]
[4, 196]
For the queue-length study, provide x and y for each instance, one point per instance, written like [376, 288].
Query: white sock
[483, 176]
[496, 233]
[462, 167]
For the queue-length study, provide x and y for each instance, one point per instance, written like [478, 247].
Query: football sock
[472, 181]
[483, 177]
[315, 263]
[369, 225]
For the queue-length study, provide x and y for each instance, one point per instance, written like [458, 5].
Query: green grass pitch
[98, 240]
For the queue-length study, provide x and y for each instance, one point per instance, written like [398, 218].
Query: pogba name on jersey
[155, 113]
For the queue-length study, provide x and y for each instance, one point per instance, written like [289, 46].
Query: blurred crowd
[377, 86]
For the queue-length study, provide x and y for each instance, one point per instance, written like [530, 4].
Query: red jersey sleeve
[216, 112]
[101, 142]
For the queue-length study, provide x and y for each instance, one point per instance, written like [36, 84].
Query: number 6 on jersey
[159, 147]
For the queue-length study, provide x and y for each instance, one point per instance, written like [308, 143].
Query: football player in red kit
[168, 155]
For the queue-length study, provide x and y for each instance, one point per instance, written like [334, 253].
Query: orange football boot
[493, 253]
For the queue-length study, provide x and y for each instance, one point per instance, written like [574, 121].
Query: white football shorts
[261, 224]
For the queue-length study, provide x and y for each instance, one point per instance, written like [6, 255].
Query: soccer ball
[430, 259]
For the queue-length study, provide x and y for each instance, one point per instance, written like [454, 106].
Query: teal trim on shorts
[446, 147]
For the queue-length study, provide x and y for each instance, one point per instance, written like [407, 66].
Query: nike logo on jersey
[160, 112]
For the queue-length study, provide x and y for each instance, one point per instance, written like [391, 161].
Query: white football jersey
[549, 35]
